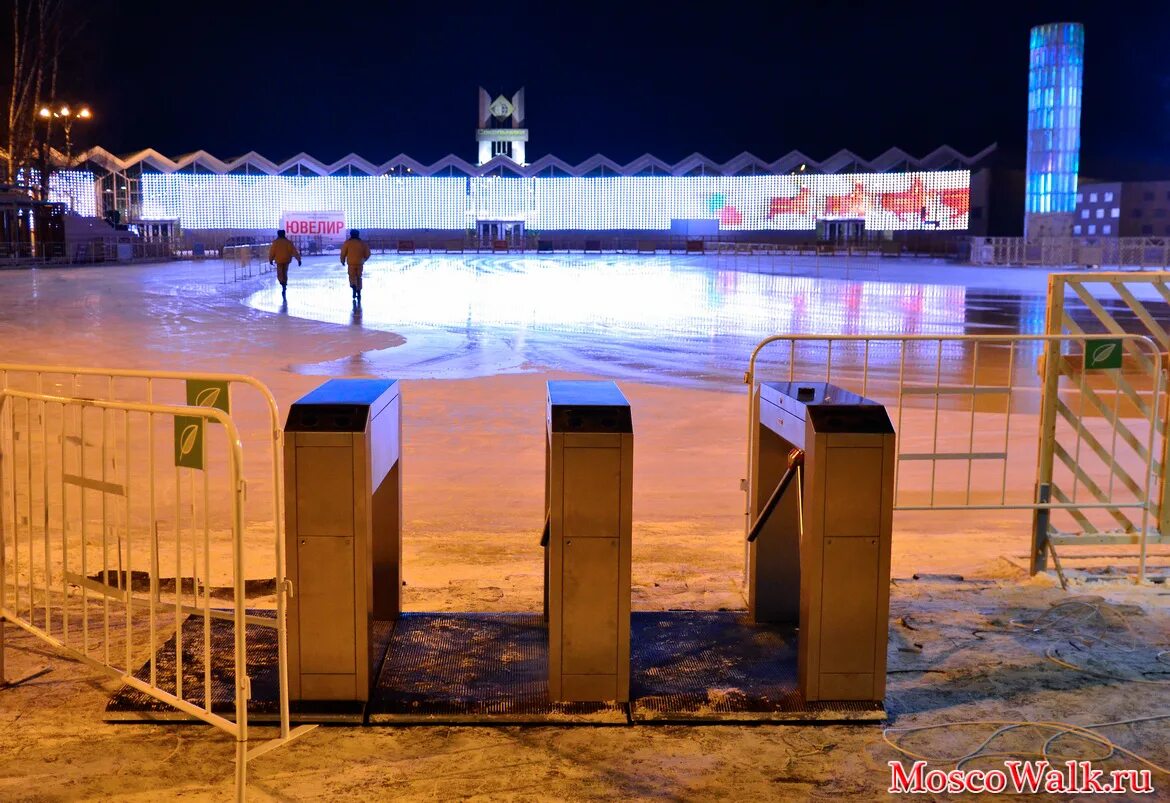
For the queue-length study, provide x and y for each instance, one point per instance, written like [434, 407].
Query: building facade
[1123, 209]
[795, 194]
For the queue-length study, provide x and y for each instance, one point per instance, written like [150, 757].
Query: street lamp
[67, 117]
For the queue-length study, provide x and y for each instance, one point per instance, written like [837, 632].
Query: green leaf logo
[1103, 352]
[187, 440]
[207, 397]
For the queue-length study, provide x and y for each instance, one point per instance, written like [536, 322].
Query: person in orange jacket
[281, 253]
[354, 253]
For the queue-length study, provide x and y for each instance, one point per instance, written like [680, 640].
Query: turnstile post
[343, 532]
[588, 494]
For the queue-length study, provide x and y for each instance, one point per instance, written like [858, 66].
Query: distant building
[1122, 209]
[841, 198]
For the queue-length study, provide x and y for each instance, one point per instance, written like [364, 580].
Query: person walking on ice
[281, 253]
[354, 253]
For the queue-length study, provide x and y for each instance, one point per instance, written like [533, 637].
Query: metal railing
[968, 410]
[244, 262]
[1098, 252]
[91, 615]
[207, 391]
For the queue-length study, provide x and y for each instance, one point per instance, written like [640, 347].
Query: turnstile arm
[795, 466]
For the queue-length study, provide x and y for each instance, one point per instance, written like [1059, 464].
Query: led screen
[885, 201]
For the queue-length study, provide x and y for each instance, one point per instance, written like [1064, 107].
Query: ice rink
[686, 320]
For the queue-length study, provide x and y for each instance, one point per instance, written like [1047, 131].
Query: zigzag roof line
[944, 157]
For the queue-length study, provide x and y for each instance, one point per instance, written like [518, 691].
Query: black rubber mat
[467, 668]
[711, 666]
[474, 667]
[131, 705]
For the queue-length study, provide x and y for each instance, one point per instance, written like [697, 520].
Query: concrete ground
[972, 637]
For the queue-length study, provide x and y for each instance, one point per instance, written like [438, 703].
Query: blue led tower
[1054, 127]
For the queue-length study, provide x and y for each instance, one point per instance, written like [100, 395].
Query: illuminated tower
[1054, 128]
[500, 130]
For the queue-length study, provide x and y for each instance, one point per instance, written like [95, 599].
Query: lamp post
[67, 117]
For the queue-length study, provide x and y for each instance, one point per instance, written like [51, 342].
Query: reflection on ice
[673, 319]
[656, 296]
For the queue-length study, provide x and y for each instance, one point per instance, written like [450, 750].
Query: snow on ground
[971, 636]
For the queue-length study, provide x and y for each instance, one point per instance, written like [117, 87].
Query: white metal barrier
[968, 410]
[211, 395]
[1097, 252]
[244, 261]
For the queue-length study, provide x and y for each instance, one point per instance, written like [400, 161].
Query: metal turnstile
[343, 525]
[819, 549]
[588, 496]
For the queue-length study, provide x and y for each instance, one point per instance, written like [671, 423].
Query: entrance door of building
[489, 232]
[842, 231]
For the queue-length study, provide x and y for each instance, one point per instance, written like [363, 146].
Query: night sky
[617, 78]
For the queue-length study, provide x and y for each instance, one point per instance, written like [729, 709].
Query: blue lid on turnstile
[340, 405]
[587, 406]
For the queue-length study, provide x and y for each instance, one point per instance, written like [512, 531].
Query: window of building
[1092, 197]
[1080, 198]
[1148, 195]
[1077, 229]
[1147, 229]
[1106, 229]
[1100, 214]
[1115, 212]
[1085, 214]
[1160, 212]
[1108, 197]
[1093, 228]
[1137, 213]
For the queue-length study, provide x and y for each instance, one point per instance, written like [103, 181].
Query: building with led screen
[1054, 127]
[199, 192]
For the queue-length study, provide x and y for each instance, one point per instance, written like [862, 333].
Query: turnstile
[588, 496]
[819, 553]
[343, 532]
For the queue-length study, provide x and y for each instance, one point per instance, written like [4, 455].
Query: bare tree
[36, 51]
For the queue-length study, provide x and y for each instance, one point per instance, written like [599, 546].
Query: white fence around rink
[967, 410]
[244, 262]
[1097, 252]
[71, 481]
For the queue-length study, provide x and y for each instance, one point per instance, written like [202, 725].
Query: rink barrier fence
[1097, 252]
[973, 417]
[106, 389]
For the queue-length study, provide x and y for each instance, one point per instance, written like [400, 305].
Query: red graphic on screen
[908, 202]
[730, 216]
[957, 202]
[796, 205]
[851, 205]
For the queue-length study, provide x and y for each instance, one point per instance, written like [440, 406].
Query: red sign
[327, 225]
